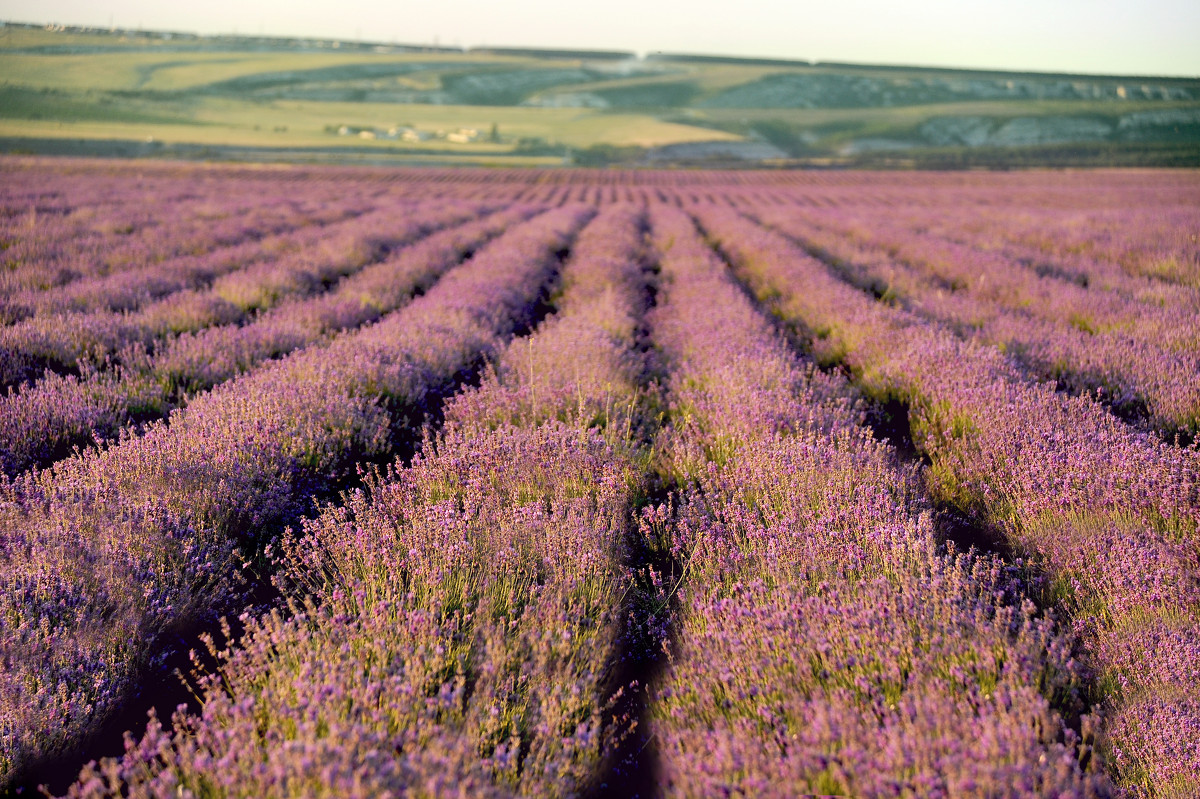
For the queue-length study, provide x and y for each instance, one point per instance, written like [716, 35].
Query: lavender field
[348, 482]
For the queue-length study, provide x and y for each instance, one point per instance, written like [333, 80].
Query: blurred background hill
[140, 93]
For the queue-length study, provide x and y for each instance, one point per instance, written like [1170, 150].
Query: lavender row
[1135, 377]
[1151, 240]
[77, 213]
[459, 615]
[826, 645]
[58, 233]
[1110, 515]
[45, 421]
[64, 339]
[450, 651]
[150, 277]
[579, 368]
[1129, 231]
[50, 250]
[109, 553]
[994, 233]
[1014, 286]
[1152, 200]
[319, 258]
[845, 324]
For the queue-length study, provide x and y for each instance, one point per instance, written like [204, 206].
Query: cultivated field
[568, 483]
[120, 92]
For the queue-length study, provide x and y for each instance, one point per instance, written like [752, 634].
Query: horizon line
[782, 61]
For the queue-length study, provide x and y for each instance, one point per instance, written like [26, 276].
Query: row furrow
[1151, 237]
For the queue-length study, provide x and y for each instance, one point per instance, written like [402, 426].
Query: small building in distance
[463, 136]
[407, 134]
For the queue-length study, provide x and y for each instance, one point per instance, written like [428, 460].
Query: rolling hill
[115, 92]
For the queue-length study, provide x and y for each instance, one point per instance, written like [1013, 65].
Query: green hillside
[138, 93]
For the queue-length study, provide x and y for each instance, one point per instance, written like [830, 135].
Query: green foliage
[609, 155]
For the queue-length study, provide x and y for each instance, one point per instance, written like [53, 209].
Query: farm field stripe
[43, 422]
[63, 342]
[803, 543]
[1110, 515]
[1137, 379]
[61, 339]
[109, 552]
[485, 581]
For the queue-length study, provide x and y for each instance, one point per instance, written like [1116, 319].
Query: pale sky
[1150, 37]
